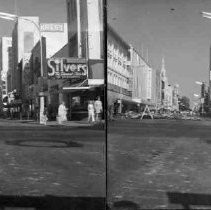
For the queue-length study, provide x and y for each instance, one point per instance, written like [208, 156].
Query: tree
[184, 103]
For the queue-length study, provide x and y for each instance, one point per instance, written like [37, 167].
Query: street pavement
[159, 164]
[60, 161]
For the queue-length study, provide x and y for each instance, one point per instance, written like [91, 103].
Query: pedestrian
[50, 111]
[45, 115]
[111, 112]
[91, 112]
[98, 108]
[62, 113]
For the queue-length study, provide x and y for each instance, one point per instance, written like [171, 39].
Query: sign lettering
[52, 27]
[61, 68]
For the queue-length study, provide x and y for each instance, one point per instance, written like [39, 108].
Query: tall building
[209, 88]
[164, 85]
[175, 97]
[85, 53]
[86, 37]
[5, 45]
[143, 79]
[24, 37]
[85, 28]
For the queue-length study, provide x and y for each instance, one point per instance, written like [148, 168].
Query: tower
[163, 82]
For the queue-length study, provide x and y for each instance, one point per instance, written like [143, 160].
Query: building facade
[86, 48]
[119, 74]
[143, 79]
[24, 37]
[5, 61]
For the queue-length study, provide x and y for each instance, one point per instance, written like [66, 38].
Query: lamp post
[15, 18]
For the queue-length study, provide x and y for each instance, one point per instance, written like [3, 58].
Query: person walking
[91, 112]
[62, 113]
[98, 108]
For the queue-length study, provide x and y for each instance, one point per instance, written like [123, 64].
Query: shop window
[76, 101]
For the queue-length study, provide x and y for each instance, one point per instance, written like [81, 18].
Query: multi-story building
[5, 64]
[175, 97]
[164, 86]
[158, 89]
[86, 49]
[143, 79]
[119, 74]
[169, 97]
[24, 37]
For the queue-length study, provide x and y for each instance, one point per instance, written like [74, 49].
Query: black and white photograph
[52, 105]
[159, 104]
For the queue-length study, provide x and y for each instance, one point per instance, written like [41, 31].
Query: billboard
[62, 68]
[52, 27]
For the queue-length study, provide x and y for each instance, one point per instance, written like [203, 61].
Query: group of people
[61, 117]
[95, 109]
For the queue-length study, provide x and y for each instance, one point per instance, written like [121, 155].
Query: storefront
[69, 82]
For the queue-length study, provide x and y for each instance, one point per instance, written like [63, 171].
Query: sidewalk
[81, 123]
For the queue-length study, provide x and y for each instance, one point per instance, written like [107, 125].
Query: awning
[73, 89]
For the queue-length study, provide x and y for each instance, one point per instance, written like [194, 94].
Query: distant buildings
[169, 93]
[132, 82]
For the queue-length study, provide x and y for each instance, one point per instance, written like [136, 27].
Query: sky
[49, 11]
[174, 29]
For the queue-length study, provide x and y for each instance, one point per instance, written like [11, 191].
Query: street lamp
[13, 17]
[206, 15]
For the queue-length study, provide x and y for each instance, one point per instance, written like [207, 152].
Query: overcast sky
[173, 28]
[47, 10]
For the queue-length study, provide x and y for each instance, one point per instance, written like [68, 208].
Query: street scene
[159, 104]
[52, 105]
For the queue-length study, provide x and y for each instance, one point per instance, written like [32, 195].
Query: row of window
[117, 59]
[118, 80]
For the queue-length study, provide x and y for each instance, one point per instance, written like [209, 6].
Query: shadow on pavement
[124, 205]
[190, 200]
[43, 143]
[51, 203]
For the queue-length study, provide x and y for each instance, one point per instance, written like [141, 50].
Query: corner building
[119, 74]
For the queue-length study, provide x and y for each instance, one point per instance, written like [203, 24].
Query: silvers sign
[61, 68]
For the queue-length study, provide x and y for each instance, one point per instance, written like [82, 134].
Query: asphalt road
[159, 164]
[58, 161]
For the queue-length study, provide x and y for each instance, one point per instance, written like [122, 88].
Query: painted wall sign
[61, 68]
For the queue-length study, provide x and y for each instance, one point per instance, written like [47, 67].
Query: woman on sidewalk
[62, 113]
[91, 112]
[98, 108]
